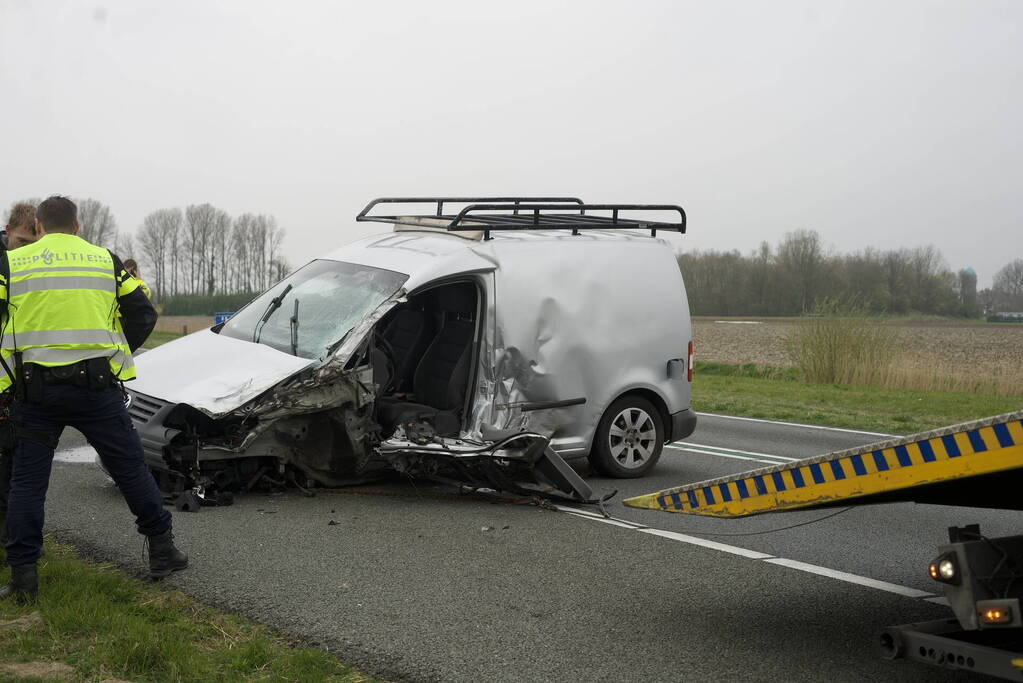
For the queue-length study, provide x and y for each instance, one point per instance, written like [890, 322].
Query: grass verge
[107, 625]
[157, 337]
[777, 394]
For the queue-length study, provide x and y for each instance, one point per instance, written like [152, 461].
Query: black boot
[164, 558]
[24, 583]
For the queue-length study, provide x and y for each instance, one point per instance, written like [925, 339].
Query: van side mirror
[677, 368]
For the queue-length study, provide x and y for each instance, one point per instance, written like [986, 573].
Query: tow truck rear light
[690, 372]
[995, 615]
[944, 569]
[998, 613]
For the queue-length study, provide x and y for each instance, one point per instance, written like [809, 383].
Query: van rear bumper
[681, 425]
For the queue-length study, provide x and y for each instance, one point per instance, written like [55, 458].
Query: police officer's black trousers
[101, 416]
[6, 456]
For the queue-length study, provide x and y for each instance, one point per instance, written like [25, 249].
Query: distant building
[1005, 317]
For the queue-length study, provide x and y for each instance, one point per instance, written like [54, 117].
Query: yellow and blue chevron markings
[972, 449]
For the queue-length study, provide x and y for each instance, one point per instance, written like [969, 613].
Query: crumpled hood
[212, 373]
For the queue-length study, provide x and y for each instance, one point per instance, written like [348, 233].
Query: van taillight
[690, 361]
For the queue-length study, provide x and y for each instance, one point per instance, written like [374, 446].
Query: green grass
[911, 320]
[158, 337]
[107, 625]
[777, 394]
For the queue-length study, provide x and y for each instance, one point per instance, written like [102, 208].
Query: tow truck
[974, 464]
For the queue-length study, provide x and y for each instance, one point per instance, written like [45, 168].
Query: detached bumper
[681, 425]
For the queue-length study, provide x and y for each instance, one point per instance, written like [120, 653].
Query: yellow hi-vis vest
[62, 306]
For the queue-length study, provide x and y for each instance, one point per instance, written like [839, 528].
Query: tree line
[794, 276]
[200, 250]
[203, 250]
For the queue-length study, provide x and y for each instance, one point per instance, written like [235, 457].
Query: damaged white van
[482, 347]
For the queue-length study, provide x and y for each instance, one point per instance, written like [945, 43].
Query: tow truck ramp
[974, 464]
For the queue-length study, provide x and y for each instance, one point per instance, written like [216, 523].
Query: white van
[485, 346]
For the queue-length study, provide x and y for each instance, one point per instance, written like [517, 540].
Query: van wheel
[629, 439]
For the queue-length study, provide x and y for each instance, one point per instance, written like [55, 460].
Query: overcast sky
[881, 124]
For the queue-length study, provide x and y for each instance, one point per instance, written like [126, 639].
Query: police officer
[133, 269]
[63, 341]
[20, 230]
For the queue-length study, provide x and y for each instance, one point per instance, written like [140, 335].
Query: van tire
[622, 447]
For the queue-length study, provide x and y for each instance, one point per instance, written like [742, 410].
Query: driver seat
[440, 379]
[407, 335]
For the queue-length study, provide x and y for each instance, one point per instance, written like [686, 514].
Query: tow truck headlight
[944, 569]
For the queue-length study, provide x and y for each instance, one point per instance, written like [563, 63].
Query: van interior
[422, 359]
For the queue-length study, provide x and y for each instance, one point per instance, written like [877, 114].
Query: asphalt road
[421, 588]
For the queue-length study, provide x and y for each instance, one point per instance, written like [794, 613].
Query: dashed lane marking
[730, 453]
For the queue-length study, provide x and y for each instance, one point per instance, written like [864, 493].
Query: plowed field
[981, 357]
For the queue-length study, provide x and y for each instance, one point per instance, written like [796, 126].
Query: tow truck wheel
[629, 439]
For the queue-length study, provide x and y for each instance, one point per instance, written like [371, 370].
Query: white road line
[851, 578]
[597, 517]
[736, 450]
[613, 522]
[797, 424]
[728, 455]
[704, 543]
[846, 577]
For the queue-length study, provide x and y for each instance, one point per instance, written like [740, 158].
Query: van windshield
[332, 297]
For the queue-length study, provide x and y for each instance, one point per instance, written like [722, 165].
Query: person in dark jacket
[72, 316]
[19, 231]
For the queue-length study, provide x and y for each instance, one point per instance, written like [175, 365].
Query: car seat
[439, 382]
[406, 336]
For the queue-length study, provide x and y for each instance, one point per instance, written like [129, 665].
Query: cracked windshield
[310, 311]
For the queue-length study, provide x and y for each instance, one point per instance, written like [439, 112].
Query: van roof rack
[488, 214]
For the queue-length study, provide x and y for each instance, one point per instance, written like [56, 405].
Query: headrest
[459, 299]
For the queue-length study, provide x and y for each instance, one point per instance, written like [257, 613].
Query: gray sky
[876, 123]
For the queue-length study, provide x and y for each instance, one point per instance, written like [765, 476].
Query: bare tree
[896, 267]
[1009, 278]
[218, 259]
[1008, 286]
[801, 254]
[97, 221]
[124, 245]
[203, 222]
[241, 250]
[967, 289]
[158, 239]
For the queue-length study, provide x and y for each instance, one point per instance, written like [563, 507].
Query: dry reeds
[841, 345]
[918, 374]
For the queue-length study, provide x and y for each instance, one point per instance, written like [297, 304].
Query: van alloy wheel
[633, 437]
[629, 438]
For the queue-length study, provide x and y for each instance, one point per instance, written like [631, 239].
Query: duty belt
[93, 373]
